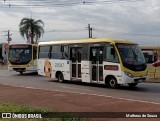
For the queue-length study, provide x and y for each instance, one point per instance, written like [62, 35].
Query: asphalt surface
[144, 92]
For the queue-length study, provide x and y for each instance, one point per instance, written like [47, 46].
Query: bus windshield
[132, 57]
[20, 54]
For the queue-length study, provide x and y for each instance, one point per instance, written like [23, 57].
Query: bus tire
[60, 78]
[132, 85]
[21, 72]
[112, 82]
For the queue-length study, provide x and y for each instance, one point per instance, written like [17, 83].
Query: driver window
[111, 54]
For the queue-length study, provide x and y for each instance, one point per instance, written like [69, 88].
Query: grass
[12, 108]
[153, 72]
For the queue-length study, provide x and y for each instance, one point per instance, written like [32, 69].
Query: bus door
[76, 56]
[96, 58]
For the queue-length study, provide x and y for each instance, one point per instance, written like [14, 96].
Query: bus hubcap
[112, 83]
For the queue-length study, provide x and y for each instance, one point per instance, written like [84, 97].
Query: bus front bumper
[127, 80]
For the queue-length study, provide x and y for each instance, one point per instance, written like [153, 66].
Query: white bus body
[103, 61]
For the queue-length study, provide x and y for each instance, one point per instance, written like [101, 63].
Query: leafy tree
[31, 29]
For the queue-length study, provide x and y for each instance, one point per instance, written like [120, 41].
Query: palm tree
[31, 29]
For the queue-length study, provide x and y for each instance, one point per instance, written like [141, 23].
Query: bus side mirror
[112, 51]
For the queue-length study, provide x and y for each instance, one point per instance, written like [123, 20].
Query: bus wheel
[112, 83]
[132, 85]
[60, 77]
[21, 72]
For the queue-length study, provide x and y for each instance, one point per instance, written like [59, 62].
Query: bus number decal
[59, 64]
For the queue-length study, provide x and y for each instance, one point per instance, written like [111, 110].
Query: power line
[68, 30]
[91, 29]
[38, 3]
[127, 33]
[96, 29]
[63, 30]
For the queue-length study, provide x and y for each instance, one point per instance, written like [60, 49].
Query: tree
[31, 29]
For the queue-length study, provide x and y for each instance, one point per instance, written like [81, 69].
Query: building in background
[4, 47]
[151, 53]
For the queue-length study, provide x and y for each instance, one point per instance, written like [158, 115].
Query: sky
[136, 20]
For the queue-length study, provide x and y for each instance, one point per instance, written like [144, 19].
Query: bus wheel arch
[111, 81]
[59, 76]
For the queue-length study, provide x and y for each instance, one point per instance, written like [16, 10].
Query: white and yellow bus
[96, 60]
[22, 58]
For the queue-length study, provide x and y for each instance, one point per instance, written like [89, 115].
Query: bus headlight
[129, 74]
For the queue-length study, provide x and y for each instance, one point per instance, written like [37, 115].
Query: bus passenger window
[44, 51]
[85, 54]
[56, 52]
[65, 53]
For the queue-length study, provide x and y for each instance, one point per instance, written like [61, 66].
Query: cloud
[136, 20]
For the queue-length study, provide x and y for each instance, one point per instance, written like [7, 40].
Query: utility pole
[89, 31]
[8, 36]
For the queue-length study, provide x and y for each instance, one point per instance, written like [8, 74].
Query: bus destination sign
[19, 46]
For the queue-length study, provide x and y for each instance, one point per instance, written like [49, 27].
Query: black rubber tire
[60, 78]
[112, 83]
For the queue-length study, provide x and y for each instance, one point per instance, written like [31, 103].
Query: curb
[156, 80]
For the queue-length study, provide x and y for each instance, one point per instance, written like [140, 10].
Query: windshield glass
[131, 56]
[20, 54]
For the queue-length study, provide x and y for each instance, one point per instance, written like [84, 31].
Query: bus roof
[150, 47]
[90, 40]
[23, 44]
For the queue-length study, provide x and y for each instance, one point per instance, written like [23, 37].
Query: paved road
[149, 92]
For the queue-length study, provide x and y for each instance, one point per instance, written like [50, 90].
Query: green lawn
[6, 108]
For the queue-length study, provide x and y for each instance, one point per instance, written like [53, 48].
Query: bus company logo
[47, 68]
[6, 115]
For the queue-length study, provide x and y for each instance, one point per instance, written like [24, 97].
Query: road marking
[85, 94]
[67, 87]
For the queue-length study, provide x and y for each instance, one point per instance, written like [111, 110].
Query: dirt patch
[71, 102]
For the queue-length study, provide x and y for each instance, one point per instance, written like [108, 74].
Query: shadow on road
[27, 74]
[141, 87]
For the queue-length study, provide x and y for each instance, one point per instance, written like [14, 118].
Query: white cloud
[138, 20]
